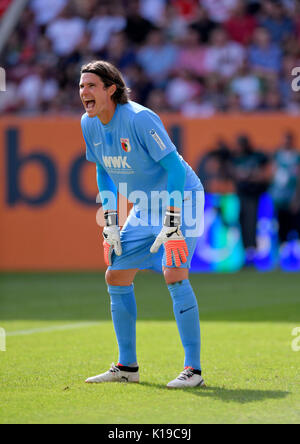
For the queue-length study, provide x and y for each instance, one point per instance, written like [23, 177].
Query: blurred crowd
[196, 57]
[3, 6]
[250, 172]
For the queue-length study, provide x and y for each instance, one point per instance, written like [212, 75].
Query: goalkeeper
[129, 145]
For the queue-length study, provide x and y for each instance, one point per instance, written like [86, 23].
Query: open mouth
[89, 104]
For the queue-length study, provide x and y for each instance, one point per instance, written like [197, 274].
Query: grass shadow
[240, 396]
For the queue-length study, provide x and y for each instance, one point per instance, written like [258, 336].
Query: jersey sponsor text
[116, 162]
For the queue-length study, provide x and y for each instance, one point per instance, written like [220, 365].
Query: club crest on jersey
[125, 145]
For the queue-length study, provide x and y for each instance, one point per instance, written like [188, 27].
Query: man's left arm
[155, 139]
[171, 236]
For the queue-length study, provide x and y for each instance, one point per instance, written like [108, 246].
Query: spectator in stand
[291, 7]
[203, 24]
[276, 21]
[87, 9]
[174, 25]
[154, 11]
[182, 88]
[12, 57]
[36, 90]
[250, 171]
[215, 169]
[138, 82]
[254, 7]
[157, 57]
[285, 187]
[240, 25]
[119, 52]
[219, 10]
[264, 56]
[186, 8]
[28, 34]
[192, 55]
[157, 102]
[224, 56]
[81, 54]
[104, 23]
[198, 106]
[271, 101]
[213, 93]
[137, 27]
[233, 104]
[44, 53]
[66, 32]
[8, 102]
[296, 16]
[47, 10]
[248, 87]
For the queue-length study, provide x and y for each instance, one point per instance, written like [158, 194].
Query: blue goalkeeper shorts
[141, 230]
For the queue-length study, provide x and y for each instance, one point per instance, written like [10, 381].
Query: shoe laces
[114, 369]
[186, 374]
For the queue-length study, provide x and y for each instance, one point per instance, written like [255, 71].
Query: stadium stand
[226, 55]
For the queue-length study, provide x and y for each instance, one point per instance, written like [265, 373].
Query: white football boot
[188, 378]
[117, 373]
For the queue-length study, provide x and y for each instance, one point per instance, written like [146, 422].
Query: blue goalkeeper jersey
[130, 147]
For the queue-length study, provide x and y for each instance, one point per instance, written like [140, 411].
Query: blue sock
[124, 314]
[187, 317]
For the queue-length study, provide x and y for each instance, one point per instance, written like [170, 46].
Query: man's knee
[173, 275]
[119, 277]
[112, 277]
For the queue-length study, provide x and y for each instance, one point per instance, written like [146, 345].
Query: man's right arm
[109, 197]
[111, 232]
[107, 189]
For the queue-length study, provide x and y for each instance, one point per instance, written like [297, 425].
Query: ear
[112, 89]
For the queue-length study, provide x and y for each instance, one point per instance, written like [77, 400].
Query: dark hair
[109, 75]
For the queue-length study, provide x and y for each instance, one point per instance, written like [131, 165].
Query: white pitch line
[51, 329]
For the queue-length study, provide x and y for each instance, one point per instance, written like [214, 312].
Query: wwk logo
[2, 79]
[116, 162]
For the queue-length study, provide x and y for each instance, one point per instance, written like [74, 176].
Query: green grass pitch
[251, 371]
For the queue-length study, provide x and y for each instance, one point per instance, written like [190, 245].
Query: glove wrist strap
[111, 218]
[172, 219]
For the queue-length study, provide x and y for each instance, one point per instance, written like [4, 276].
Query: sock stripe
[126, 368]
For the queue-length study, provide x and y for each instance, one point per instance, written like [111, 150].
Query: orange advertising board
[48, 190]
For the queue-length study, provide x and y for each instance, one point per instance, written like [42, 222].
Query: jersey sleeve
[89, 149]
[176, 178]
[107, 189]
[152, 135]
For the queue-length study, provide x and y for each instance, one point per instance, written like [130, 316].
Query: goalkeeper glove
[172, 239]
[111, 234]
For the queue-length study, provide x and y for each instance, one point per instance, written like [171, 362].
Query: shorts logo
[158, 140]
[125, 145]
